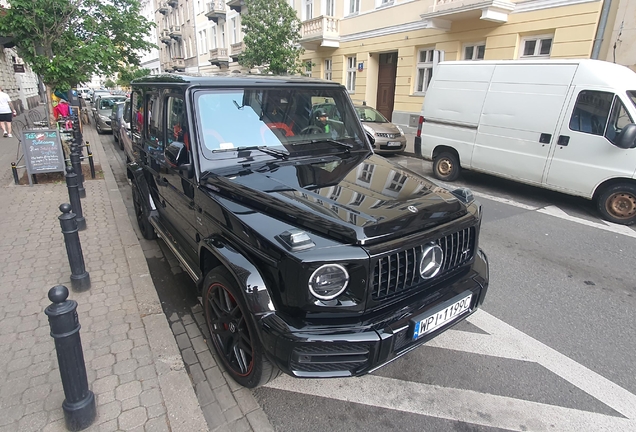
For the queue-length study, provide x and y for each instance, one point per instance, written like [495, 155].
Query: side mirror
[627, 138]
[176, 155]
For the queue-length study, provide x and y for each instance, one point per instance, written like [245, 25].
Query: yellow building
[619, 40]
[385, 51]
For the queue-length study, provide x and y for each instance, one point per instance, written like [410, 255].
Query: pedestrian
[6, 113]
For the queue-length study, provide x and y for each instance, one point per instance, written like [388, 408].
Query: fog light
[328, 281]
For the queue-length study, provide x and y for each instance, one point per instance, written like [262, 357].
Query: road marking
[505, 201]
[453, 404]
[485, 409]
[605, 226]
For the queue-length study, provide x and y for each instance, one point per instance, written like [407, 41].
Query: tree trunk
[49, 106]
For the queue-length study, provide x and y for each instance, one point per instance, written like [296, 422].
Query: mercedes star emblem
[412, 209]
[431, 263]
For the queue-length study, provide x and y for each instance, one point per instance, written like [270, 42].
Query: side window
[591, 111]
[155, 126]
[137, 120]
[619, 118]
[126, 113]
[177, 126]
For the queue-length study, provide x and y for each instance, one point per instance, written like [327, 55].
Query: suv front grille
[399, 272]
[387, 135]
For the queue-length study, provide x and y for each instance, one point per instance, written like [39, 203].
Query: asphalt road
[552, 349]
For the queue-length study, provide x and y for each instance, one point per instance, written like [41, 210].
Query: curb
[182, 407]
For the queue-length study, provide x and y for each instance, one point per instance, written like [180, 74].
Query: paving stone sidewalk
[134, 366]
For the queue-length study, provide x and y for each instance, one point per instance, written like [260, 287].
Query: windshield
[292, 119]
[370, 115]
[632, 96]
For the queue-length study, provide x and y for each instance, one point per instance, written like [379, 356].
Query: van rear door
[584, 155]
[519, 119]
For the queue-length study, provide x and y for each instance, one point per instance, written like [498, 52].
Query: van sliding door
[519, 119]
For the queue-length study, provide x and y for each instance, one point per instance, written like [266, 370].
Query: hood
[389, 128]
[358, 199]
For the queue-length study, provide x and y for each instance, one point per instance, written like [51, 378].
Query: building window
[354, 6]
[425, 59]
[203, 41]
[397, 183]
[351, 74]
[214, 40]
[307, 71]
[190, 48]
[538, 46]
[474, 51]
[234, 30]
[328, 69]
[330, 8]
[380, 3]
[222, 27]
[357, 199]
[308, 9]
[335, 193]
[366, 173]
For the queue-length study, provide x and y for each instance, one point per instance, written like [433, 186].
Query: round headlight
[328, 281]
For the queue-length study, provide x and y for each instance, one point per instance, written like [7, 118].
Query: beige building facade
[385, 51]
[619, 38]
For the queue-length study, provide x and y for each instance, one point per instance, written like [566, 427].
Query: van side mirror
[626, 139]
[176, 155]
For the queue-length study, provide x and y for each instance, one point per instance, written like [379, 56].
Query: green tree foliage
[109, 83]
[272, 32]
[131, 73]
[67, 41]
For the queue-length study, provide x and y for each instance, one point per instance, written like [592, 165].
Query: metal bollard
[90, 159]
[14, 170]
[79, 402]
[80, 279]
[73, 196]
[77, 167]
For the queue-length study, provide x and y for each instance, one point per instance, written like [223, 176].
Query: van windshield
[632, 96]
[292, 119]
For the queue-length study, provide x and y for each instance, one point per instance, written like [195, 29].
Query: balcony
[167, 66]
[320, 32]
[175, 32]
[219, 57]
[178, 64]
[443, 12]
[163, 8]
[236, 5]
[164, 36]
[173, 3]
[216, 11]
[237, 50]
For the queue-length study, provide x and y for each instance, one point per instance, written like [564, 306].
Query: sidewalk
[133, 363]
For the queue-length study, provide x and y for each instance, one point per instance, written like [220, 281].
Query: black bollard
[79, 402]
[77, 167]
[14, 170]
[80, 279]
[91, 164]
[73, 196]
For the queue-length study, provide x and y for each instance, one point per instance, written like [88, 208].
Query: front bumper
[382, 144]
[321, 351]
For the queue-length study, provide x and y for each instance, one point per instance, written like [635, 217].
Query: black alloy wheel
[147, 230]
[233, 334]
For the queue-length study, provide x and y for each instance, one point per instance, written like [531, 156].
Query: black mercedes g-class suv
[312, 254]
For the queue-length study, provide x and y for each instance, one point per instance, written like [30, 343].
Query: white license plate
[393, 144]
[432, 322]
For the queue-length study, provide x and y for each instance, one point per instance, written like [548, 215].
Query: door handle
[545, 138]
[563, 140]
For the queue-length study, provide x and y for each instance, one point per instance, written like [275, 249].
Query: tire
[233, 332]
[121, 143]
[446, 166]
[617, 203]
[146, 228]
[98, 128]
[115, 137]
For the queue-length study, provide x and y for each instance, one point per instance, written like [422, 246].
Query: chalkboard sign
[42, 151]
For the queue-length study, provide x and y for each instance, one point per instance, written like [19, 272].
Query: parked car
[566, 125]
[117, 121]
[102, 109]
[83, 92]
[312, 255]
[387, 137]
[98, 93]
[124, 135]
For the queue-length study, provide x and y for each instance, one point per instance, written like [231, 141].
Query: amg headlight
[328, 281]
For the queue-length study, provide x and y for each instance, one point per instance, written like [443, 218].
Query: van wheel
[446, 166]
[618, 204]
[147, 230]
[233, 333]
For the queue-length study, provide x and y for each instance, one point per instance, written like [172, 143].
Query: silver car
[386, 136]
[102, 109]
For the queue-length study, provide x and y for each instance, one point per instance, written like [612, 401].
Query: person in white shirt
[6, 113]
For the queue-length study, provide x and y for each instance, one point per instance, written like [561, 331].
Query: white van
[565, 125]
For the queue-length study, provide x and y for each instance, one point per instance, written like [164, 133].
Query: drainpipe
[602, 23]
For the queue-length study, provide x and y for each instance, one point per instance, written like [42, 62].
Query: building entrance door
[386, 83]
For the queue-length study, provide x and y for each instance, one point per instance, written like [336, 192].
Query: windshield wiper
[326, 140]
[270, 151]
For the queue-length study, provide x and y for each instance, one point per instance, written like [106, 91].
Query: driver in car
[322, 124]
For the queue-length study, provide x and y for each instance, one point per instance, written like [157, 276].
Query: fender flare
[136, 175]
[245, 273]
